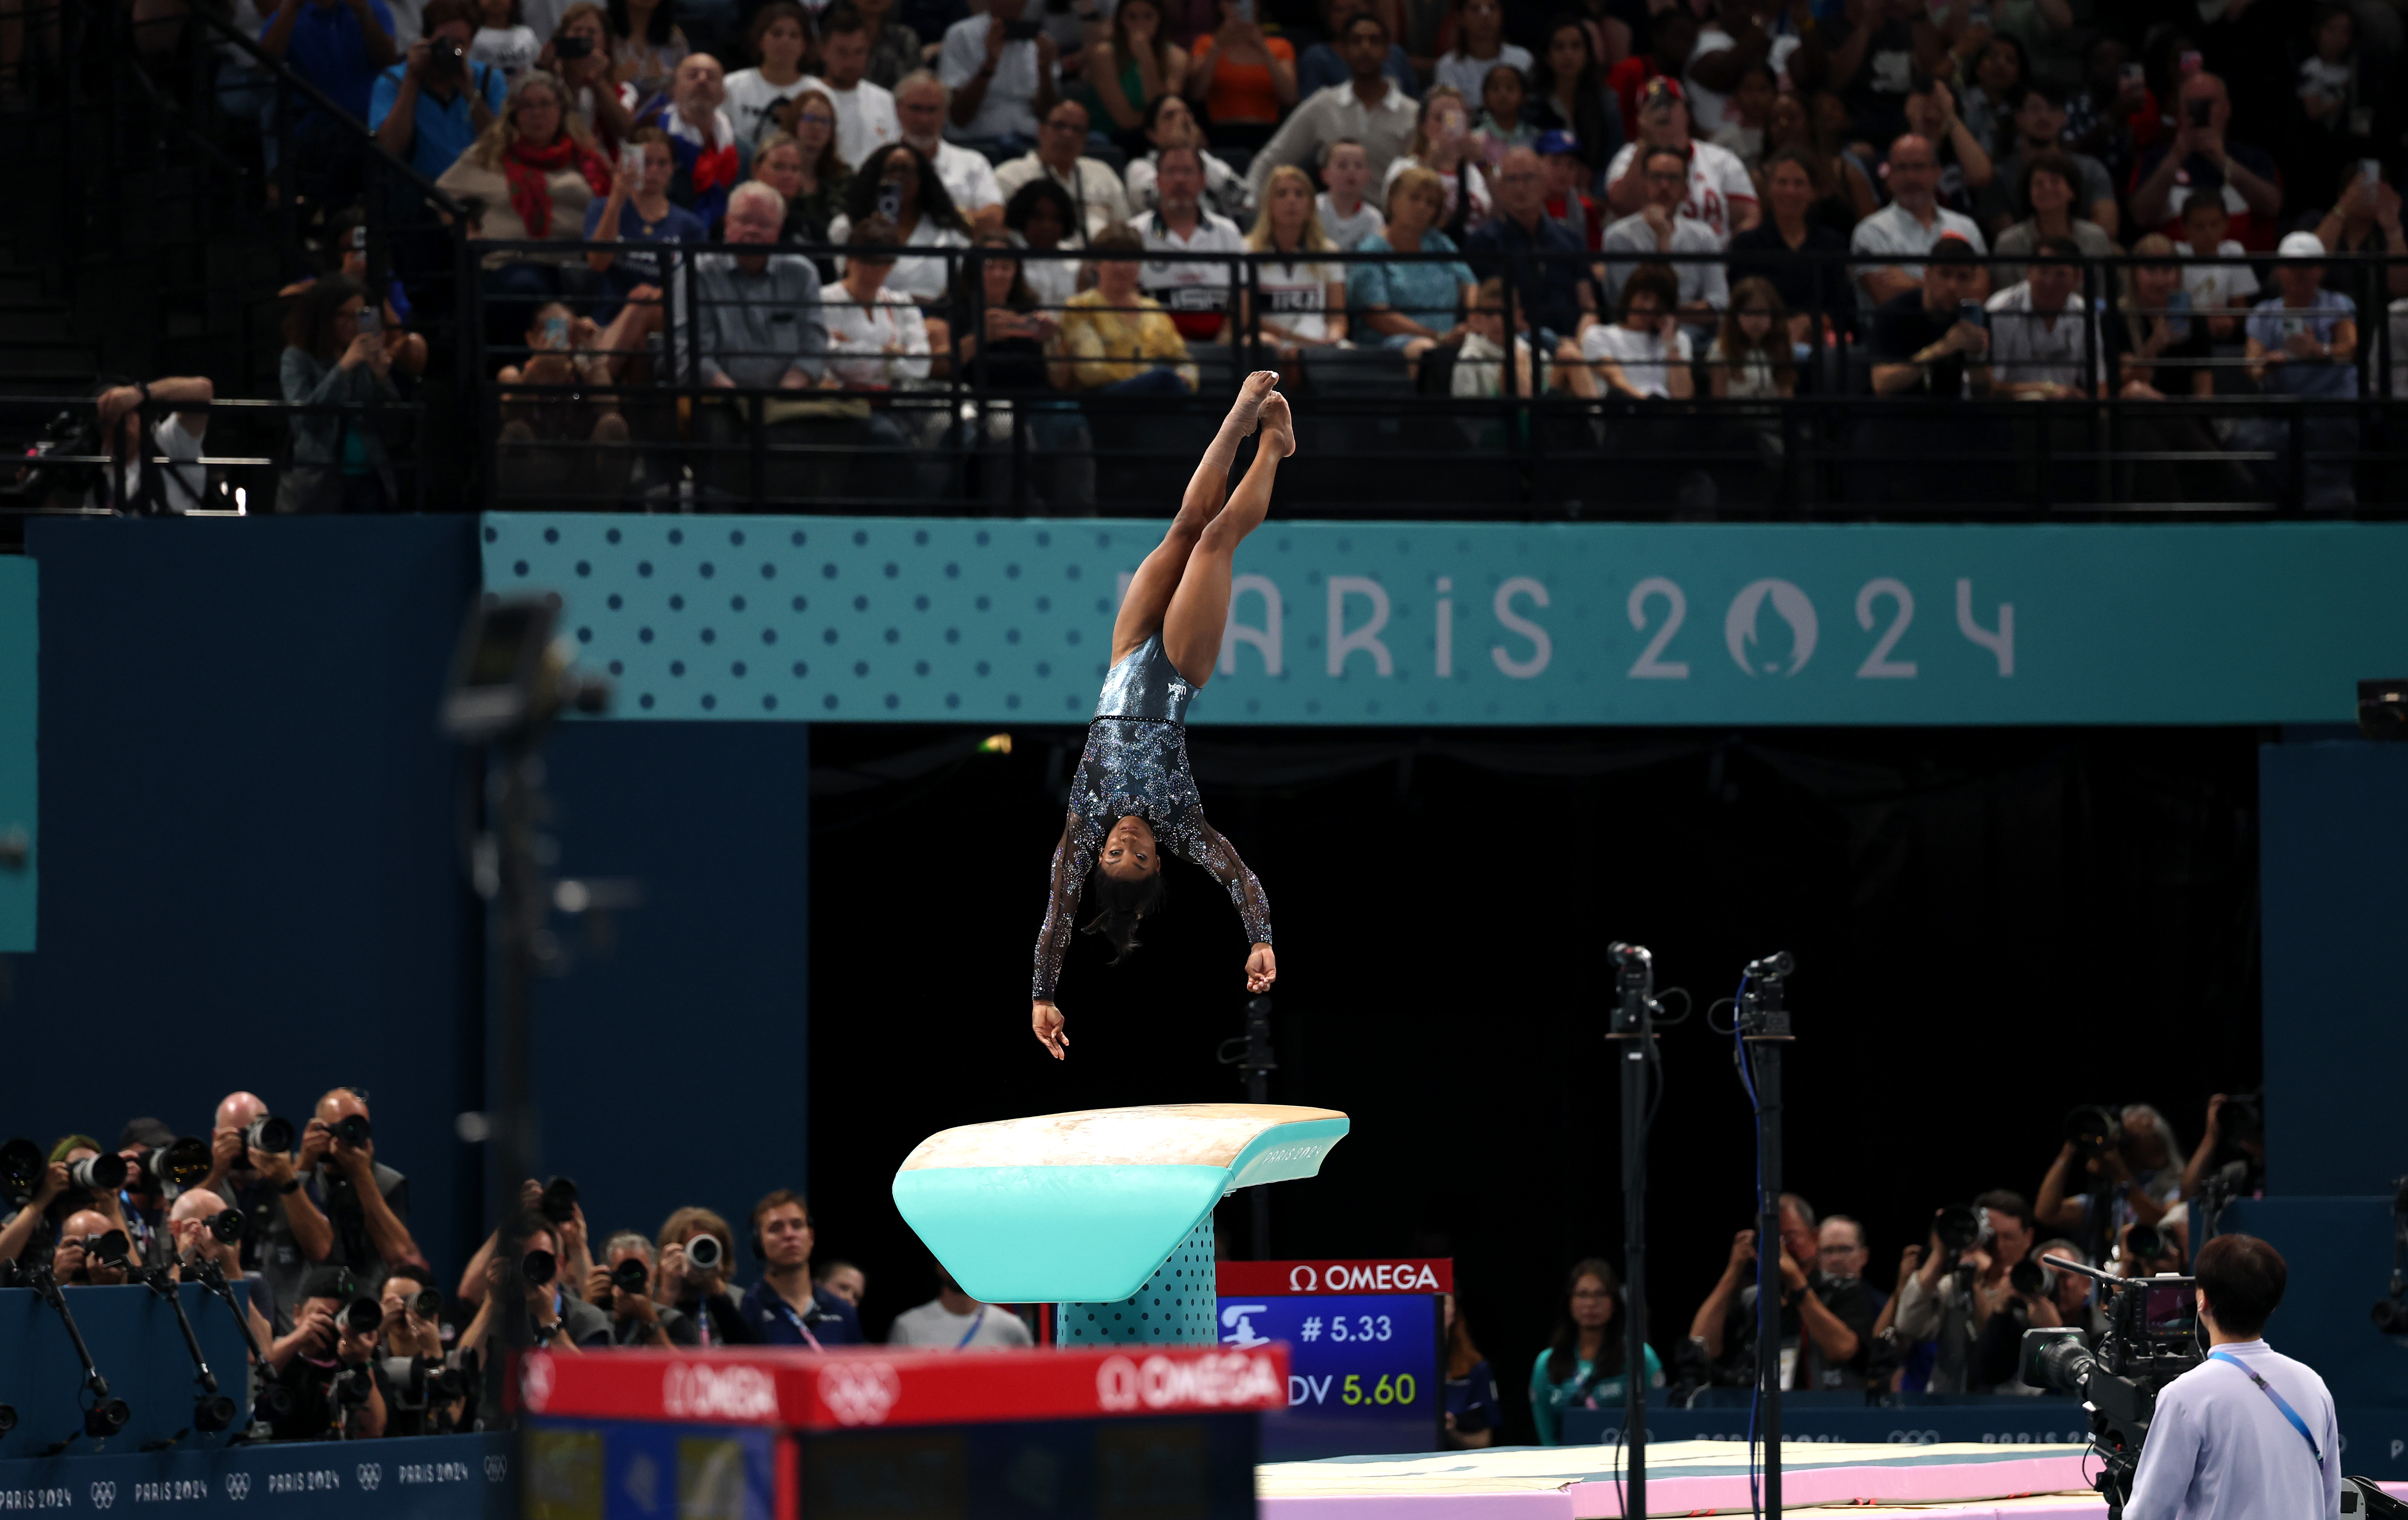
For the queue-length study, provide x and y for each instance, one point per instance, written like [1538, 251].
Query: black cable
[1687, 1007]
[1709, 1016]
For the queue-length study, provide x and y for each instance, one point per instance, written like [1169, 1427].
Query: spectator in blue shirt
[1411, 306]
[427, 109]
[784, 1307]
[1538, 255]
[2304, 343]
[1322, 65]
[637, 210]
[340, 46]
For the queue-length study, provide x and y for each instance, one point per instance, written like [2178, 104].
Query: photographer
[560, 1321]
[2038, 1295]
[342, 1206]
[85, 1255]
[2247, 1432]
[2236, 1131]
[131, 483]
[234, 1177]
[1962, 1281]
[325, 1367]
[2127, 1168]
[784, 1307]
[636, 1318]
[567, 1216]
[188, 1228]
[1833, 1313]
[703, 1291]
[2146, 1250]
[144, 1197]
[414, 1366]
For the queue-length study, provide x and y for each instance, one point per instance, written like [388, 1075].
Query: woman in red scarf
[534, 170]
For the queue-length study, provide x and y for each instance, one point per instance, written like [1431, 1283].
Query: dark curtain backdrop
[1990, 926]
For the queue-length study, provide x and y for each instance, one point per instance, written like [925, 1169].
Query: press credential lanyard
[976, 1320]
[2280, 1402]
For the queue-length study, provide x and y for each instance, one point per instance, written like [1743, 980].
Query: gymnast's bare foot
[1260, 385]
[1278, 428]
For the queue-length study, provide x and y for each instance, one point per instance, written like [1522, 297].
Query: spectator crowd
[1639, 208]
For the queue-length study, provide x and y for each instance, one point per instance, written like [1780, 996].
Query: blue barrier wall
[406, 1478]
[255, 879]
[2333, 890]
[942, 620]
[132, 1335]
[20, 639]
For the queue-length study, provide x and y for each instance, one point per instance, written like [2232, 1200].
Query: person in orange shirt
[1245, 81]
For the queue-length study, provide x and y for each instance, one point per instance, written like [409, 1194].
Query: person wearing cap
[1910, 226]
[1567, 201]
[1672, 38]
[1721, 193]
[2303, 343]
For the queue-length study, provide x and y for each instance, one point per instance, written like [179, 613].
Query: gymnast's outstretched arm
[1207, 848]
[1072, 858]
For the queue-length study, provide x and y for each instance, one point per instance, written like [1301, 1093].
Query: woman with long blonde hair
[535, 172]
[1303, 298]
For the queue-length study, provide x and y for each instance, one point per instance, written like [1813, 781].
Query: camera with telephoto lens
[21, 1165]
[2152, 1338]
[108, 1248]
[539, 1266]
[559, 1202]
[1959, 1227]
[572, 45]
[631, 1276]
[2031, 1279]
[351, 1129]
[102, 1174]
[704, 1253]
[361, 1316]
[178, 1164]
[426, 1303]
[227, 1226]
[352, 1385]
[269, 1134]
[2094, 1130]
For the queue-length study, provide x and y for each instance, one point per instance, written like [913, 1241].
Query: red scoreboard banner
[1417, 1274]
[881, 1387]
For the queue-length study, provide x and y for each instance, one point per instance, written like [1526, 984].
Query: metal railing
[640, 424]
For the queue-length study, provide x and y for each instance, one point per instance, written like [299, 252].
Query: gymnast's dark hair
[1563, 1353]
[1120, 905]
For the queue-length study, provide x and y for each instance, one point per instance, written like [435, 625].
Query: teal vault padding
[1174, 1306]
[1086, 1227]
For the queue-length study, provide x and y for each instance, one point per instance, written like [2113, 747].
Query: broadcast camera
[2152, 1338]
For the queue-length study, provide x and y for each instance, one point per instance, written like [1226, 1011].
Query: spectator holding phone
[2201, 160]
[427, 109]
[2304, 343]
[333, 359]
[637, 212]
[1005, 74]
[579, 56]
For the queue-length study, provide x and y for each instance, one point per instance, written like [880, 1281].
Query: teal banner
[19, 661]
[919, 619]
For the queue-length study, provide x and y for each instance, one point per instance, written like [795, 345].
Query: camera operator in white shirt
[2247, 1433]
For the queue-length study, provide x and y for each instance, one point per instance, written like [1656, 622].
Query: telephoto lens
[704, 1253]
[352, 1129]
[103, 1173]
[105, 1418]
[426, 1303]
[2028, 1278]
[268, 1133]
[212, 1413]
[226, 1224]
[21, 1169]
[182, 1162]
[629, 1276]
[362, 1316]
[1957, 1226]
[108, 1248]
[559, 1202]
[354, 1384]
[2146, 1243]
[539, 1266]
[2091, 1128]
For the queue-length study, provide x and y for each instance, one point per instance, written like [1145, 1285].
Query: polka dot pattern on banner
[1175, 1305]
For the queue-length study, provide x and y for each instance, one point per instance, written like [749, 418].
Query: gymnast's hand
[1262, 970]
[1045, 1021]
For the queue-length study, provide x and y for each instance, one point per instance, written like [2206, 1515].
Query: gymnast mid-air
[1133, 799]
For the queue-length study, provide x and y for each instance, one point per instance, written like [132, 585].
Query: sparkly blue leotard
[1136, 764]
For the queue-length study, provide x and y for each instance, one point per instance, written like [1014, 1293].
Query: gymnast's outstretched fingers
[1262, 969]
[1045, 1021]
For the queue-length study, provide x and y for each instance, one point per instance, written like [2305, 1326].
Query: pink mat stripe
[1874, 1483]
[1544, 1504]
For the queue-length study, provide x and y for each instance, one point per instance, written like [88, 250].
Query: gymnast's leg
[1199, 605]
[1148, 601]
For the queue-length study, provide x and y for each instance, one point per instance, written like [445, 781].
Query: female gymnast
[1133, 797]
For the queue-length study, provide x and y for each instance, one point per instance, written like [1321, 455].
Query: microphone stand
[1634, 1021]
[213, 1410]
[107, 1416]
[1764, 1028]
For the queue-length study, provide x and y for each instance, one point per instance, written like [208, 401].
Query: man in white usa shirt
[2247, 1434]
